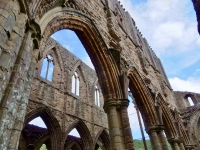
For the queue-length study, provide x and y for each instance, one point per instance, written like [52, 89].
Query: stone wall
[122, 59]
[56, 96]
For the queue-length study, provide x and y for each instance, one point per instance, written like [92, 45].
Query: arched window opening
[69, 40]
[43, 147]
[35, 134]
[190, 101]
[75, 84]
[97, 96]
[38, 122]
[97, 147]
[141, 139]
[47, 68]
[75, 133]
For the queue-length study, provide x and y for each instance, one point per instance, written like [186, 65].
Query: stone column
[155, 143]
[174, 143]
[12, 28]
[118, 119]
[182, 146]
[15, 99]
[128, 139]
[114, 123]
[163, 140]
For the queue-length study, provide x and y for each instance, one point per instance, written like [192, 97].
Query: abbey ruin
[93, 102]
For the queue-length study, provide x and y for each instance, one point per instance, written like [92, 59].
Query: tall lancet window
[75, 84]
[97, 96]
[47, 68]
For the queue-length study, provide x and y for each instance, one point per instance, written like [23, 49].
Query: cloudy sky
[170, 27]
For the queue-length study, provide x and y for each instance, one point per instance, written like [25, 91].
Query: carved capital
[175, 140]
[189, 147]
[116, 103]
[155, 128]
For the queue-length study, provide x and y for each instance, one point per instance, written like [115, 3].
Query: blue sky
[170, 28]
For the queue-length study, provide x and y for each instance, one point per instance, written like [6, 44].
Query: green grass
[43, 147]
[138, 144]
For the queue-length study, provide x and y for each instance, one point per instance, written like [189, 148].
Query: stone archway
[85, 135]
[63, 18]
[103, 136]
[108, 74]
[51, 123]
[25, 28]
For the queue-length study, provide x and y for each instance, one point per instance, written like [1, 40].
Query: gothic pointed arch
[43, 140]
[83, 26]
[168, 120]
[98, 100]
[51, 123]
[78, 66]
[73, 145]
[84, 132]
[193, 128]
[58, 65]
[103, 138]
[143, 97]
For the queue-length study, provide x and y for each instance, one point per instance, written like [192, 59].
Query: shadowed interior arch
[143, 98]
[84, 134]
[51, 123]
[103, 136]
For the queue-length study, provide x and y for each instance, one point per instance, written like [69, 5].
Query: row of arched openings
[36, 135]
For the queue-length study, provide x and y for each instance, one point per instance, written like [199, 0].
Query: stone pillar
[175, 144]
[163, 140]
[126, 125]
[15, 99]
[155, 143]
[182, 146]
[110, 107]
[12, 28]
[119, 126]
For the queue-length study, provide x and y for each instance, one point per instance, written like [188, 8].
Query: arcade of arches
[75, 96]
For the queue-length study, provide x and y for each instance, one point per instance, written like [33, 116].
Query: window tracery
[97, 96]
[75, 83]
[47, 68]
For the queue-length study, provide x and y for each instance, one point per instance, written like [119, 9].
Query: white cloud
[169, 22]
[191, 84]
[190, 60]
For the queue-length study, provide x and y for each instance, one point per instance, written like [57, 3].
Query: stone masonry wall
[66, 106]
